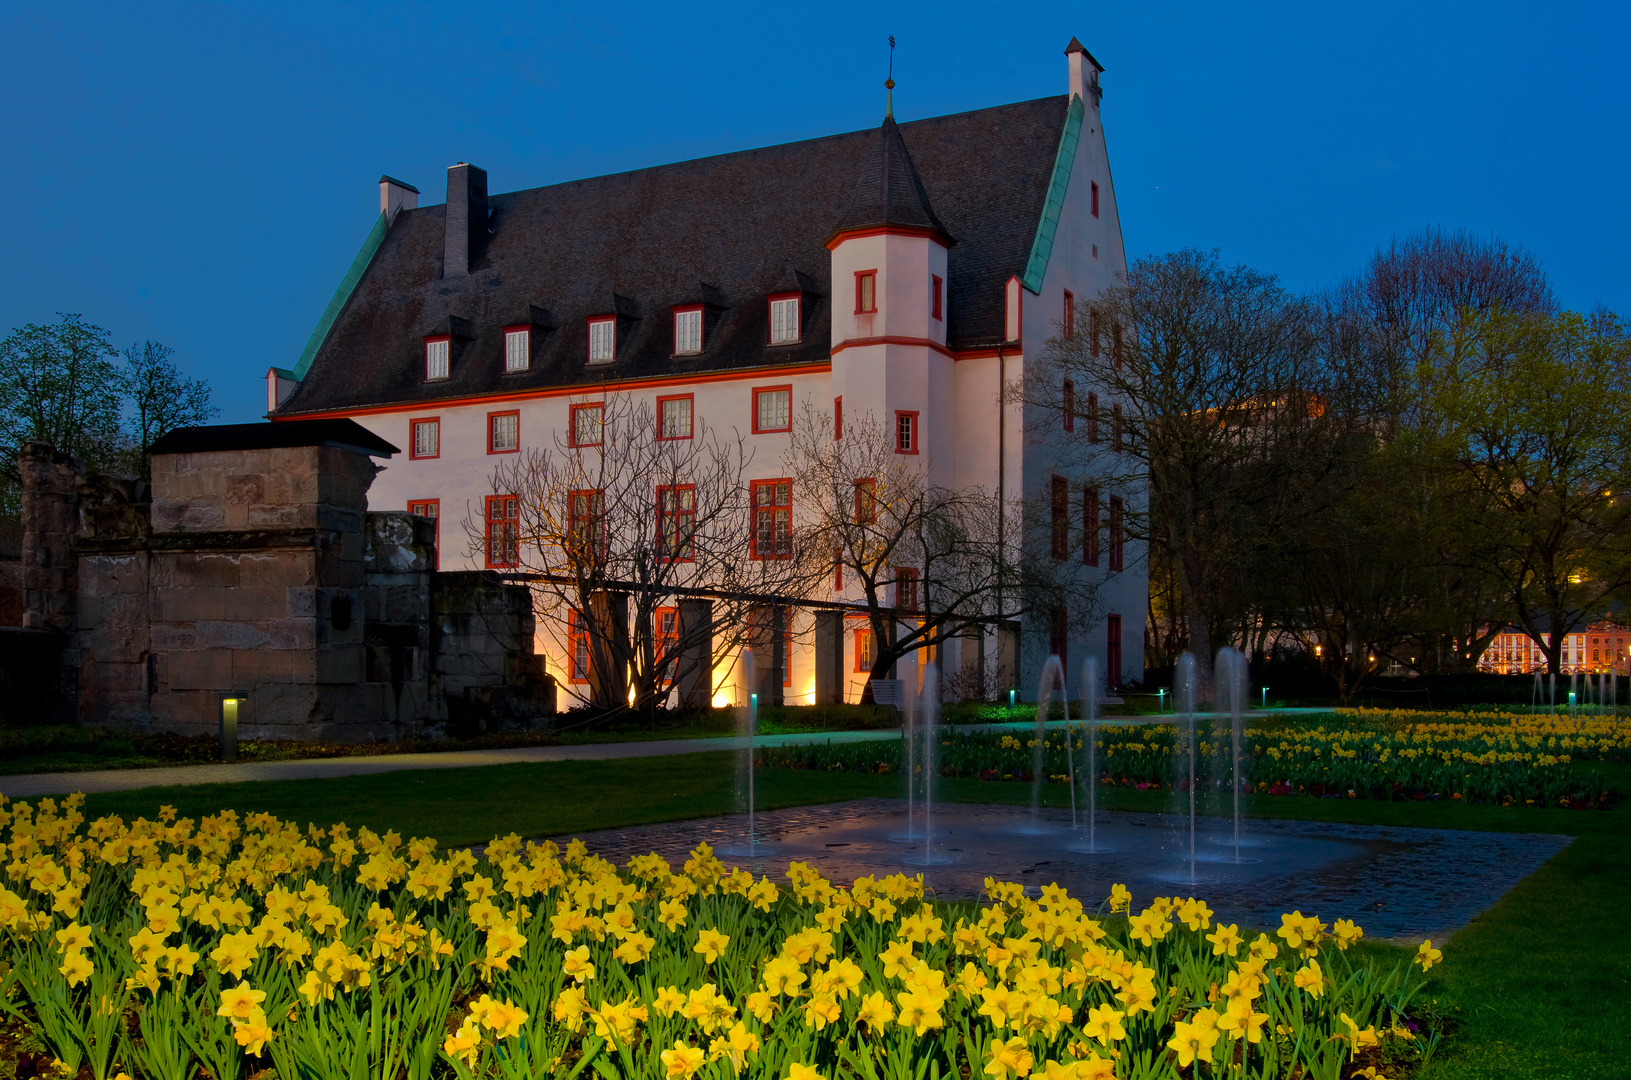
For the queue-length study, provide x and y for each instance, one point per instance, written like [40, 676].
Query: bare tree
[624, 518]
[1195, 396]
[921, 561]
[159, 399]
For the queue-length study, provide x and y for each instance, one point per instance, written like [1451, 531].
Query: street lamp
[231, 705]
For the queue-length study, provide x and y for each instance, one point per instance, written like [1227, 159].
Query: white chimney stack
[394, 195]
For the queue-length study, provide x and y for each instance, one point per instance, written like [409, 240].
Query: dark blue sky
[203, 174]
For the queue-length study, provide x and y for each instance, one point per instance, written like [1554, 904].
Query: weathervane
[889, 83]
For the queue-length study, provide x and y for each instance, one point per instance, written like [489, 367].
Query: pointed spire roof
[888, 191]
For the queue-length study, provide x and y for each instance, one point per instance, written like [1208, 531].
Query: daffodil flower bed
[1501, 759]
[234, 946]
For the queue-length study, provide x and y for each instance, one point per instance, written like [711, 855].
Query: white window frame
[763, 395]
[578, 415]
[434, 428]
[602, 340]
[688, 331]
[517, 350]
[438, 359]
[785, 328]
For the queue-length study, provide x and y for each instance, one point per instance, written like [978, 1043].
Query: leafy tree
[159, 399]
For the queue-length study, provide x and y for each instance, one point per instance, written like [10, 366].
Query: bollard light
[231, 704]
[1010, 699]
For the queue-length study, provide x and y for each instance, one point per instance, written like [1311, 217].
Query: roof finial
[889, 83]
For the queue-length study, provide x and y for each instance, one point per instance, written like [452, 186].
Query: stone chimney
[394, 195]
[466, 218]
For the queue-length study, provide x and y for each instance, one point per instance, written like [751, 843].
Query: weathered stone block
[245, 489]
[278, 568]
[172, 636]
[341, 664]
[197, 568]
[283, 515]
[201, 670]
[217, 634]
[255, 667]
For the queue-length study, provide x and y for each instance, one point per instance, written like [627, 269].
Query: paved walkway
[30, 785]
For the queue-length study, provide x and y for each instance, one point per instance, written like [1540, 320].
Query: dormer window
[602, 340]
[687, 331]
[437, 351]
[517, 348]
[784, 320]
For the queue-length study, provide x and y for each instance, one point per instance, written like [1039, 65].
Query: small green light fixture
[232, 705]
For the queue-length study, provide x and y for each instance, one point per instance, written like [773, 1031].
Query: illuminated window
[577, 647]
[666, 638]
[503, 520]
[677, 521]
[863, 647]
[772, 519]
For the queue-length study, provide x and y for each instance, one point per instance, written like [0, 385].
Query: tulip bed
[235, 946]
[1491, 758]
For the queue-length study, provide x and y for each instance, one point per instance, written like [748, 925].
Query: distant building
[897, 272]
[1599, 647]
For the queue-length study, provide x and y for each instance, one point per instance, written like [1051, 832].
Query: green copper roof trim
[320, 332]
[1042, 247]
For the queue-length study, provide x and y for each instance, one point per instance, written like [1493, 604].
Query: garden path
[31, 785]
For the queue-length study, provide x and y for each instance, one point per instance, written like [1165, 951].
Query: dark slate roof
[889, 190]
[725, 230]
[214, 437]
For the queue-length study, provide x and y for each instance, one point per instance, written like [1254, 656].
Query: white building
[901, 271]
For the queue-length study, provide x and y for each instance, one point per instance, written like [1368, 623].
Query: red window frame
[691, 431]
[871, 286]
[1095, 184]
[593, 523]
[1069, 318]
[504, 334]
[937, 289]
[1090, 526]
[675, 518]
[1069, 396]
[431, 340]
[674, 331]
[1115, 428]
[1115, 345]
[838, 571]
[838, 417]
[572, 423]
[770, 321]
[412, 442]
[1093, 332]
[861, 632]
[417, 507]
[667, 640]
[1092, 417]
[492, 416]
[1116, 561]
[910, 418]
[1059, 517]
[501, 531]
[866, 501]
[757, 390]
[579, 656]
[774, 508]
[589, 338]
[906, 589]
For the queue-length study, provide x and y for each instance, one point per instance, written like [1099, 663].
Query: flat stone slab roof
[1399, 884]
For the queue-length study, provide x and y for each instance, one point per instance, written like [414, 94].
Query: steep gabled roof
[889, 191]
[739, 222]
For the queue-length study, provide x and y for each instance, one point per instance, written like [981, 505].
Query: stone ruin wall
[261, 573]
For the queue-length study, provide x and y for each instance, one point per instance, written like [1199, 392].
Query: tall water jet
[1090, 723]
[930, 706]
[1184, 695]
[909, 738]
[747, 723]
[1052, 672]
[1230, 679]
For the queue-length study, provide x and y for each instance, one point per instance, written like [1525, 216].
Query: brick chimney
[466, 218]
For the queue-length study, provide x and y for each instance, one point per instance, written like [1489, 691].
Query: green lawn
[1541, 983]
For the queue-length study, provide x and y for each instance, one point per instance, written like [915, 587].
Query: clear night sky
[203, 174]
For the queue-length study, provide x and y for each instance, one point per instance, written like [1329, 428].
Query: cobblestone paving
[1399, 884]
